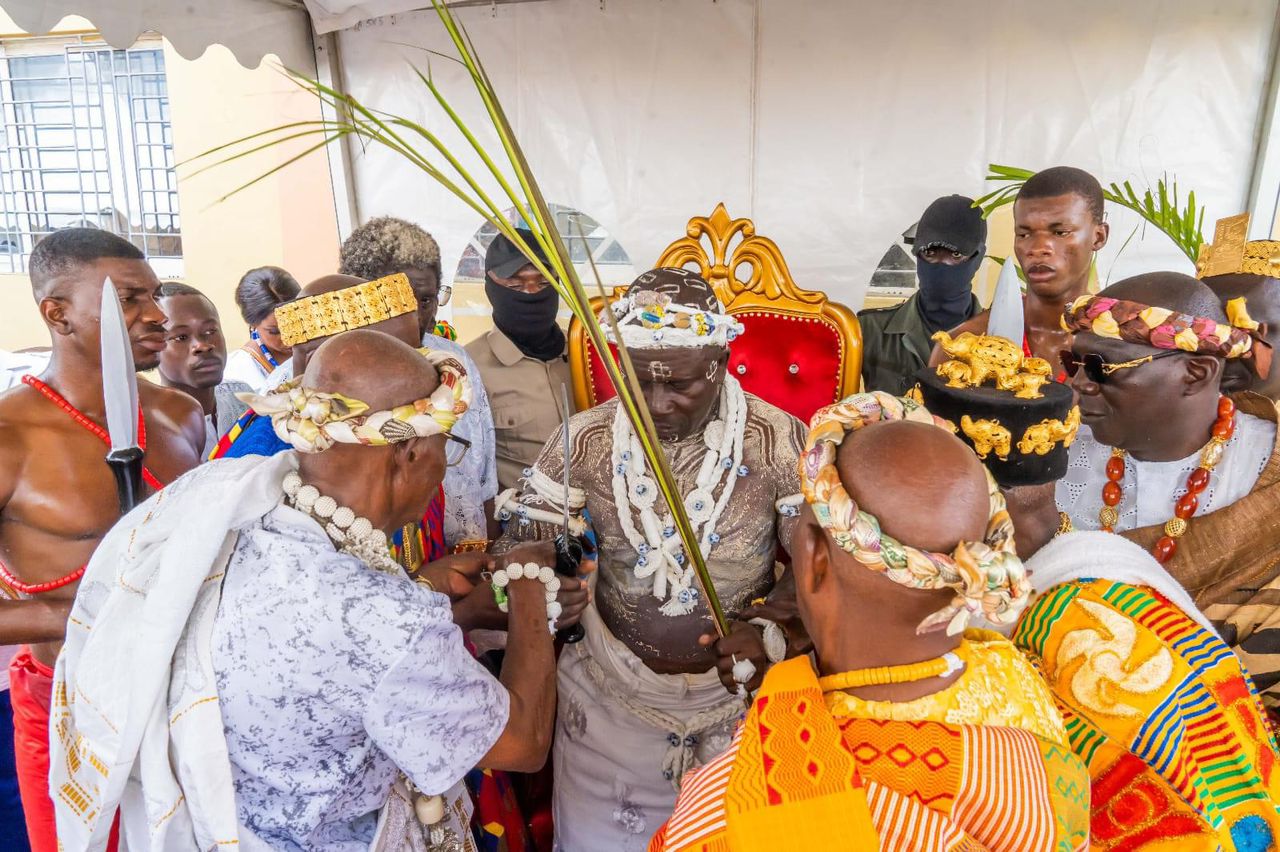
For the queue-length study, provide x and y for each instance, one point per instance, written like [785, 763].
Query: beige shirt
[524, 394]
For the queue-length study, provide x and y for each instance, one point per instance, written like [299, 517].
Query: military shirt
[896, 344]
[524, 395]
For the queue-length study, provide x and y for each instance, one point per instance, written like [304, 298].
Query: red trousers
[31, 691]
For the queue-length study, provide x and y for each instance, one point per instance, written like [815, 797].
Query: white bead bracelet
[530, 571]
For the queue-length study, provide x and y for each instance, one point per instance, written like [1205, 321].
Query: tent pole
[1264, 178]
[341, 174]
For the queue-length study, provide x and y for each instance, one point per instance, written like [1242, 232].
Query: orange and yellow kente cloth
[1160, 711]
[931, 775]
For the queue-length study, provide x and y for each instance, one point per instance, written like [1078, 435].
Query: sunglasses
[1099, 371]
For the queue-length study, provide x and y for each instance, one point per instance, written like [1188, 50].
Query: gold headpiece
[1232, 253]
[357, 306]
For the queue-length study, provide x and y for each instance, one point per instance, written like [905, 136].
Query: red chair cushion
[762, 359]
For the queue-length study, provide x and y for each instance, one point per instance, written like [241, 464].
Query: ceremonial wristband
[531, 571]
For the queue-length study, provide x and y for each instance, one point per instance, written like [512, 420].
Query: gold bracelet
[423, 581]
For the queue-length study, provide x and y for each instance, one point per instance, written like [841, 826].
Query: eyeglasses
[1097, 370]
[443, 293]
[455, 449]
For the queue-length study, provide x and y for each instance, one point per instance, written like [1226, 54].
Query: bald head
[1171, 290]
[372, 367]
[924, 485]
[928, 491]
[391, 485]
[403, 328]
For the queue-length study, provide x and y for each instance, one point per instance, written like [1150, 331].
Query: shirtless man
[57, 494]
[1058, 228]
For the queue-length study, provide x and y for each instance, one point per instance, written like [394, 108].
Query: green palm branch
[516, 185]
[1181, 222]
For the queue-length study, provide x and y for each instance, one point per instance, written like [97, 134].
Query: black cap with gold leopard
[1003, 404]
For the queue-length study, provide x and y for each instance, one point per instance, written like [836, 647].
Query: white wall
[833, 123]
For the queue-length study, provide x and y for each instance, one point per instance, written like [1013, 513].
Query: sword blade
[1007, 319]
[119, 379]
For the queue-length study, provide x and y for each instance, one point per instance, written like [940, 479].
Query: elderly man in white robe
[248, 666]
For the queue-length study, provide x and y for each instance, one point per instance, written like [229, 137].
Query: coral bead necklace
[1197, 481]
[58, 400]
[6, 576]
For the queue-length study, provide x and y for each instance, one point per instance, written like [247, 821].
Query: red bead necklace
[6, 576]
[58, 400]
[1197, 481]
[36, 588]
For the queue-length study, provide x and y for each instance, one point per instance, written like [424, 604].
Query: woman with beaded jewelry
[285, 671]
[258, 294]
[645, 697]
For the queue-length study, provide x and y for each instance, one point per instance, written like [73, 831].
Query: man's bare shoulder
[977, 324]
[21, 410]
[174, 412]
[173, 403]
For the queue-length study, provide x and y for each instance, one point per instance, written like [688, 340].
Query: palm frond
[510, 171]
[1181, 222]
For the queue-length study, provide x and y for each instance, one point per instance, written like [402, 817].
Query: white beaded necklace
[660, 553]
[351, 534]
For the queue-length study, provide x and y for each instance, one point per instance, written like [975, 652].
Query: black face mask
[946, 292]
[529, 319]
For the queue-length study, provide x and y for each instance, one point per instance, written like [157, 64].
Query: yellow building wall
[286, 220]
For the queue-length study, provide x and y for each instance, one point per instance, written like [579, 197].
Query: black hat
[1021, 441]
[953, 223]
[503, 260]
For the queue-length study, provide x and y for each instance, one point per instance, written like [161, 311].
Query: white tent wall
[831, 124]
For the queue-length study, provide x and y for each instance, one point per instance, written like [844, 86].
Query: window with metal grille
[85, 141]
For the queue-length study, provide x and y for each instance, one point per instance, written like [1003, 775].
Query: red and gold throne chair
[799, 350]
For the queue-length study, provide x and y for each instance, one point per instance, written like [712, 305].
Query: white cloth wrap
[637, 336]
[1093, 555]
[610, 791]
[137, 642]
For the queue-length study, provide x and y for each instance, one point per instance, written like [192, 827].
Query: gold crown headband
[1232, 253]
[360, 305]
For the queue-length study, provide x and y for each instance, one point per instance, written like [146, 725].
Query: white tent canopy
[832, 123]
[251, 29]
